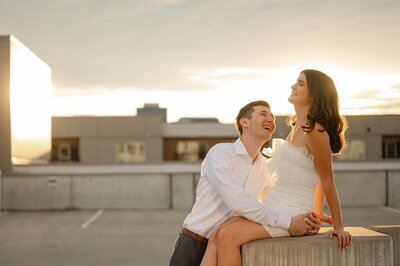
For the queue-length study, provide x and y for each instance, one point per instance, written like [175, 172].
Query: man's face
[262, 123]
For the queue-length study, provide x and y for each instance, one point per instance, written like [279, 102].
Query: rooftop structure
[25, 117]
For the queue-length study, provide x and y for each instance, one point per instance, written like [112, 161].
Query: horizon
[208, 59]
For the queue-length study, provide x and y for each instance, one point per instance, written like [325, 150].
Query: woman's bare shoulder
[318, 136]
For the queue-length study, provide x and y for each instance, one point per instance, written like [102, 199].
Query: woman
[301, 167]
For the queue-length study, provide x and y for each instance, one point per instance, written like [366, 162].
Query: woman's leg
[210, 256]
[232, 236]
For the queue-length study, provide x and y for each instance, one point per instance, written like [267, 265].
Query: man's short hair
[247, 112]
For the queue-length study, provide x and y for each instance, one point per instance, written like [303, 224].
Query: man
[232, 176]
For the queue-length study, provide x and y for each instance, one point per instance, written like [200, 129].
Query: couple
[243, 196]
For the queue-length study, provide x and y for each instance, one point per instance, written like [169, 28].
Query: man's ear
[244, 122]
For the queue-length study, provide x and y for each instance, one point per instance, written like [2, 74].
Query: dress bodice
[293, 175]
[292, 164]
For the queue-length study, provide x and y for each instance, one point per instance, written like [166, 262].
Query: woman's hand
[344, 238]
[325, 218]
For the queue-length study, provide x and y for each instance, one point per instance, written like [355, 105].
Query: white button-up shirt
[229, 186]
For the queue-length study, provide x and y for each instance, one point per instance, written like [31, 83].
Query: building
[107, 140]
[191, 138]
[146, 138]
[153, 109]
[25, 117]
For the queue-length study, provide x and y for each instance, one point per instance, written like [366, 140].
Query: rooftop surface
[112, 237]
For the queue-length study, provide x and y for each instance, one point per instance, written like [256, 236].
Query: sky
[209, 58]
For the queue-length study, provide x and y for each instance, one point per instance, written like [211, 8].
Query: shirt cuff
[284, 220]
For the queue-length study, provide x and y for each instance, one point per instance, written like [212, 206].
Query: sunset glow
[227, 89]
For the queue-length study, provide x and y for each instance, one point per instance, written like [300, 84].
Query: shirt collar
[239, 147]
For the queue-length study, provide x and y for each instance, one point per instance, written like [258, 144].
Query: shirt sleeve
[220, 174]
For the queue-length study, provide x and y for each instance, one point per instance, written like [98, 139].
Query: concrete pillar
[369, 248]
[394, 232]
[394, 189]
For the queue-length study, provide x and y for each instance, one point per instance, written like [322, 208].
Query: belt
[194, 236]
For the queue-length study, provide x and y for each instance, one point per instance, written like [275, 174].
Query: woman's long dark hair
[325, 109]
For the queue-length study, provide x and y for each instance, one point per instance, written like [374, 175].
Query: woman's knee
[225, 236]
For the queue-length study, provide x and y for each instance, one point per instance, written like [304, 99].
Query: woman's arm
[319, 146]
[319, 201]
[319, 205]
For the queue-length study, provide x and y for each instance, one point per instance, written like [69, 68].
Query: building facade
[146, 138]
[25, 115]
[107, 140]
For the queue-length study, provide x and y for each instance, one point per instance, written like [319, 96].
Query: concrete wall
[0, 192]
[5, 119]
[150, 191]
[165, 186]
[361, 188]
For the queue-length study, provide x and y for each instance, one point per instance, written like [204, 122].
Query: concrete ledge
[368, 248]
[394, 232]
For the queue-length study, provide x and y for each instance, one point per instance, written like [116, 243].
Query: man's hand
[304, 224]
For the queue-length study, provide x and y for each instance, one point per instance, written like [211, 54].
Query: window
[390, 147]
[65, 150]
[130, 151]
[191, 151]
[354, 150]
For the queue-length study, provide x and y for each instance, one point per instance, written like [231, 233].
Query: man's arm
[220, 174]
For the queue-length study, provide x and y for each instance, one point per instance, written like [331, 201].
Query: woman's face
[300, 94]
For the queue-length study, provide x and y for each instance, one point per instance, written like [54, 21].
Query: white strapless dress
[294, 181]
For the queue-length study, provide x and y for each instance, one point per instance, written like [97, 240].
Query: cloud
[385, 101]
[369, 94]
[159, 44]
